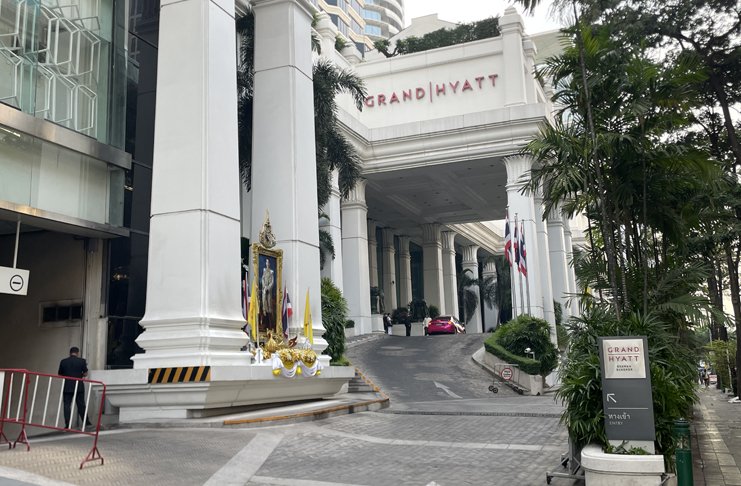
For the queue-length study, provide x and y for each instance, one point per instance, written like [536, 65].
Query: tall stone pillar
[492, 313]
[193, 313]
[450, 279]
[372, 253]
[513, 78]
[559, 264]
[405, 272]
[355, 252]
[333, 266]
[522, 206]
[543, 260]
[471, 262]
[389, 269]
[432, 266]
[570, 275]
[283, 155]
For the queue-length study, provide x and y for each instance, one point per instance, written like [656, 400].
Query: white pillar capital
[387, 235]
[356, 198]
[470, 255]
[448, 240]
[431, 233]
[372, 225]
[404, 246]
[490, 269]
[518, 169]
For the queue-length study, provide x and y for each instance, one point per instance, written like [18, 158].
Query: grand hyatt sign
[426, 93]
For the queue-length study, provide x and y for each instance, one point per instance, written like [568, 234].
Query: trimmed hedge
[527, 365]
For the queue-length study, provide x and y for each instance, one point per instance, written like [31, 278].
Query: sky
[470, 10]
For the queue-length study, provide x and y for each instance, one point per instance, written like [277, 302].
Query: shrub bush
[349, 324]
[558, 311]
[398, 315]
[529, 332]
[340, 362]
[334, 316]
[563, 338]
[433, 311]
[418, 309]
[526, 365]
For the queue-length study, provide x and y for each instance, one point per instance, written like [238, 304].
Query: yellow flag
[252, 318]
[308, 332]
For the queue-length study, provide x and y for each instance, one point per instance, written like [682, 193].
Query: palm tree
[467, 295]
[496, 291]
[333, 151]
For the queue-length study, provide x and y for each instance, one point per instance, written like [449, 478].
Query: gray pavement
[717, 433]
[427, 436]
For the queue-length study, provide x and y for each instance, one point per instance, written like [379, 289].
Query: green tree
[334, 317]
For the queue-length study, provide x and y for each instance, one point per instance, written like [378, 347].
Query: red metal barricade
[25, 416]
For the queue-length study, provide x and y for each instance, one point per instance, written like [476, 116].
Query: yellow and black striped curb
[183, 374]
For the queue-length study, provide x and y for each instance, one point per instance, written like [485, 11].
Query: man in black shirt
[73, 367]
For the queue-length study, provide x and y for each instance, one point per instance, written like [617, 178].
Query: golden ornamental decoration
[267, 238]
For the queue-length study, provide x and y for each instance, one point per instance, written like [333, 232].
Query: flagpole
[527, 287]
[510, 259]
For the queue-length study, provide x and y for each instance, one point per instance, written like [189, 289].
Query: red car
[446, 324]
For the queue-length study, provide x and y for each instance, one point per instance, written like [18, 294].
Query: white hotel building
[130, 221]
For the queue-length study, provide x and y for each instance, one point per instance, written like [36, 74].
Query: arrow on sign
[446, 389]
[611, 396]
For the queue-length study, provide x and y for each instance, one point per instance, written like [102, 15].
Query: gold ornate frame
[257, 250]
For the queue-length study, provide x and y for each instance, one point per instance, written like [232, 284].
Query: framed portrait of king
[268, 267]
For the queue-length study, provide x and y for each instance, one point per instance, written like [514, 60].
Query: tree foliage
[334, 317]
[467, 32]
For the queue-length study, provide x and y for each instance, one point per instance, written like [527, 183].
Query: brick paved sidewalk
[716, 436]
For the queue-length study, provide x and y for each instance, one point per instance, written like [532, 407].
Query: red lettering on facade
[479, 79]
[369, 101]
[394, 98]
[466, 86]
[420, 92]
[493, 78]
[454, 86]
[381, 100]
[407, 94]
[438, 89]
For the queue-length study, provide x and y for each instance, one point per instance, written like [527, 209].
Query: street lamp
[530, 351]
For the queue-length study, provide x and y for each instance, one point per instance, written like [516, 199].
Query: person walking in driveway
[408, 324]
[426, 324]
[73, 367]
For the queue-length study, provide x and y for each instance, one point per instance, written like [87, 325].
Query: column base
[191, 341]
[230, 389]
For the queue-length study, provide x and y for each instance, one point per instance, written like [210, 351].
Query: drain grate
[479, 414]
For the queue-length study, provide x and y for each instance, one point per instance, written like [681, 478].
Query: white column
[530, 51]
[372, 253]
[450, 279]
[523, 206]
[389, 270]
[193, 315]
[471, 262]
[492, 313]
[283, 155]
[571, 276]
[355, 252]
[512, 78]
[432, 266]
[559, 264]
[333, 266]
[95, 329]
[405, 272]
[542, 259]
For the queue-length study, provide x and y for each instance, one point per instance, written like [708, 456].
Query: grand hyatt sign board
[426, 92]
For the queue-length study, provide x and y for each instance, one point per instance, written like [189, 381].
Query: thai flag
[507, 240]
[517, 247]
[523, 256]
[287, 311]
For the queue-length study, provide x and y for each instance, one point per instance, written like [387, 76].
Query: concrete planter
[602, 469]
[349, 332]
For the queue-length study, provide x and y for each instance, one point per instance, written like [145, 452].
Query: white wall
[56, 263]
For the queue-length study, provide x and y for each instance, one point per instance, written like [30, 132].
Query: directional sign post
[626, 389]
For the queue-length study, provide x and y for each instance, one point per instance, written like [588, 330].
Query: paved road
[428, 435]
